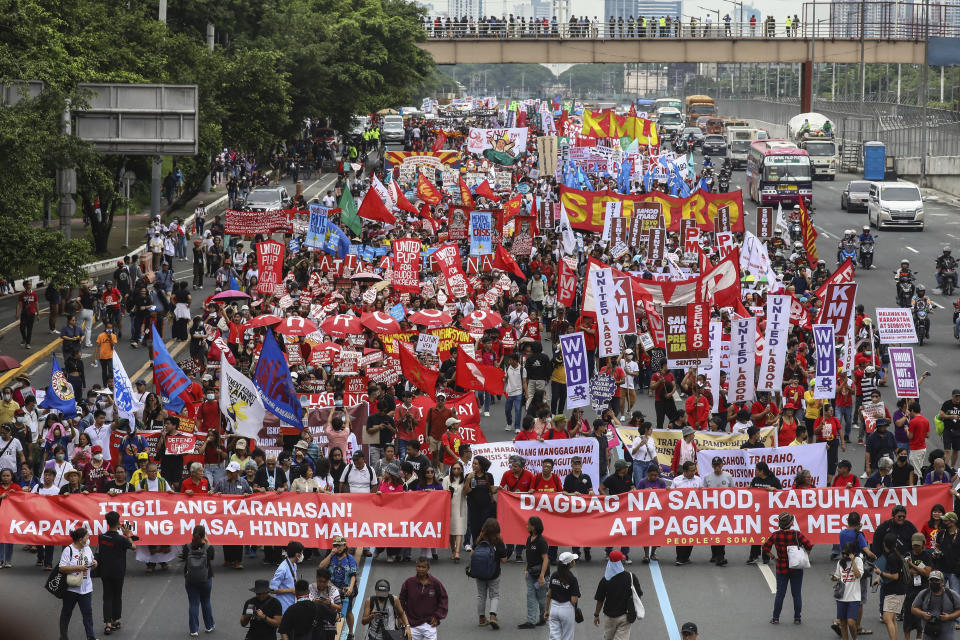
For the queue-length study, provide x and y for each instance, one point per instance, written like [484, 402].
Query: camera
[934, 620]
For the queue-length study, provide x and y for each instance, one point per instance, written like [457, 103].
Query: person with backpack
[384, 615]
[894, 577]
[938, 606]
[198, 580]
[485, 560]
[343, 575]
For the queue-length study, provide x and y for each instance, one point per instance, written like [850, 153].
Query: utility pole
[156, 168]
[66, 182]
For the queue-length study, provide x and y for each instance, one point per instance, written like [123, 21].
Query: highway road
[729, 602]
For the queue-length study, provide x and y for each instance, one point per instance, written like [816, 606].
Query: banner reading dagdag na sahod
[407, 519]
[716, 516]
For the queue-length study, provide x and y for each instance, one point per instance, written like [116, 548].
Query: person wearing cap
[865, 382]
[938, 606]
[689, 631]
[614, 598]
[880, 444]
[718, 478]
[920, 564]
[327, 598]
[617, 483]
[946, 545]
[898, 525]
[685, 450]
[358, 477]
[845, 476]
[97, 472]
[563, 593]
[232, 484]
[776, 546]
[383, 612]
[343, 575]
[424, 600]
[262, 613]
[450, 443]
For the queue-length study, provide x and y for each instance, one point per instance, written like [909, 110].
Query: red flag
[427, 215]
[633, 111]
[465, 196]
[512, 207]
[566, 285]
[427, 191]
[741, 310]
[799, 315]
[522, 118]
[478, 377]
[423, 378]
[534, 229]
[702, 260]
[483, 189]
[401, 200]
[372, 208]
[809, 234]
[439, 141]
[505, 262]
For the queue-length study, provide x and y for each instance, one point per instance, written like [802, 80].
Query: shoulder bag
[56, 583]
[639, 611]
[797, 557]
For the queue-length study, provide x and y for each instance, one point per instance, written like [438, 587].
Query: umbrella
[341, 325]
[296, 326]
[7, 363]
[387, 112]
[431, 318]
[478, 321]
[263, 321]
[380, 322]
[328, 346]
[365, 275]
[230, 294]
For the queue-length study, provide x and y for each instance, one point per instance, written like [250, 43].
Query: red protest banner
[464, 407]
[406, 265]
[626, 309]
[269, 266]
[838, 306]
[844, 273]
[727, 516]
[414, 519]
[698, 327]
[253, 222]
[566, 285]
[448, 262]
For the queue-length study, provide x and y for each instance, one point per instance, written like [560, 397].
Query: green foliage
[31, 249]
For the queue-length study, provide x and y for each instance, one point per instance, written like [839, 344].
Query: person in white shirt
[513, 379]
[718, 478]
[60, 466]
[688, 480]
[328, 200]
[77, 559]
[359, 476]
[99, 433]
[743, 422]
[630, 369]
[11, 451]
[644, 452]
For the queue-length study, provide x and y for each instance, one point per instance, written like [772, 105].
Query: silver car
[855, 195]
[267, 199]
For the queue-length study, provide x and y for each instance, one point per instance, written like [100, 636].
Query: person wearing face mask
[209, 415]
[97, 472]
[60, 465]
[8, 405]
[286, 575]
[106, 343]
[11, 451]
[938, 606]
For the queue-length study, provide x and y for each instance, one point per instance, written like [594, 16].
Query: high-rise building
[657, 8]
[619, 9]
[469, 8]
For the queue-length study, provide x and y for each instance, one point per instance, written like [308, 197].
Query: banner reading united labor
[413, 519]
[586, 209]
[774, 354]
[715, 516]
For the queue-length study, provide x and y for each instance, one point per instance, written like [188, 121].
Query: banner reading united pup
[403, 520]
[727, 516]
[406, 265]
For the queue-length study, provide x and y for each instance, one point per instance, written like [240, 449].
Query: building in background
[619, 9]
[470, 8]
[657, 8]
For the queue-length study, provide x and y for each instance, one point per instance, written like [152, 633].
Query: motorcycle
[723, 182]
[905, 288]
[848, 251]
[921, 320]
[866, 254]
[956, 320]
[948, 280]
[796, 235]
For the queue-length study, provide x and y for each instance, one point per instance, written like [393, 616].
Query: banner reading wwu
[418, 519]
[671, 517]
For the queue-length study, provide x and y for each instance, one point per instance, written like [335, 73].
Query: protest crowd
[640, 343]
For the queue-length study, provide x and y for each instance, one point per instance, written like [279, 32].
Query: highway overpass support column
[806, 87]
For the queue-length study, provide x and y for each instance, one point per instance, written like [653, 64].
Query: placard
[895, 326]
[784, 463]
[904, 371]
[427, 343]
[765, 222]
[481, 233]
[655, 244]
[573, 348]
[825, 380]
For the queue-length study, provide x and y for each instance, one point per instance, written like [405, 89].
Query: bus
[672, 103]
[778, 172]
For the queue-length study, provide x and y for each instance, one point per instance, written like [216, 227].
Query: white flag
[123, 392]
[240, 401]
[569, 240]
[383, 192]
[781, 222]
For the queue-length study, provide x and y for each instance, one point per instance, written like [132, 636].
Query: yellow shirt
[105, 343]
[813, 405]
[7, 410]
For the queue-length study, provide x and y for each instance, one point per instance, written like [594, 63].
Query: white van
[895, 204]
[392, 130]
[738, 144]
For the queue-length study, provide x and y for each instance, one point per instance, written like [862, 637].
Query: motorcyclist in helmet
[904, 269]
[945, 261]
[798, 252]
[865, 235]
[848, 241]
[778, 260]
[820, 273]
[921, 301]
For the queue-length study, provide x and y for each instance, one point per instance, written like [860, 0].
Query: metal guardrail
[899, 127]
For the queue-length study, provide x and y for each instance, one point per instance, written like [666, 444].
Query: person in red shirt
[28, 304]
[589, 328]
[764, 411]
[546, 481]
[451, 442]
[112, 300]
[615, 371]
[917, 429]
[845, 477]
[698, 409]
[793, 392]
[517, 480]
[662, 384]
[196, 483]
[827, 429]
[844, 404]
[508, 338]
[787, 432]
[209, 412]
[436, 427]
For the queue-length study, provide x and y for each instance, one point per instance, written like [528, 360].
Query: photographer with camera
[938, 606]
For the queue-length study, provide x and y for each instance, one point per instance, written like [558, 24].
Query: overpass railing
[899, 127]
[827, 20]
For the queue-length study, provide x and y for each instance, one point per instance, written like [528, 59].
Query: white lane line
[952, 236]
[940, 215]
[768, 576]
[936, 305]
[928, 361]
[909, 248]
[825, 234]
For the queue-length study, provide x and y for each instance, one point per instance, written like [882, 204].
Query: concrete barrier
[942, 172]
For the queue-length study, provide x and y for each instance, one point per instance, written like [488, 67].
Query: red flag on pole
[423, 378]
[372, 208]
[439, 141]
[465, 196]
[427, 191]
[809, 234]
[534, 229]
[512, 207]
[483, 189]
[566, 285]
[504, 261]
[401, 200]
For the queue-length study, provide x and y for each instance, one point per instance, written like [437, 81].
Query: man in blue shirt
[343, 575]
[285, 577]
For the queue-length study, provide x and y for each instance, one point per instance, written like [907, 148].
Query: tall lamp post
[129, 177]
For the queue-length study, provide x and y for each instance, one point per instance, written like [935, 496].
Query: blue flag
[623, 180]
[703, 186]
[272, 379]
[648, 181]
[338, 243]
[233, 282]
[168, 377]
[584, 179]
[59, 395]
[684, 187]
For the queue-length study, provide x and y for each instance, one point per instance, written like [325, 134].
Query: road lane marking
[669, 620]
[147, 365]
[359, 599]
[768, 576]
[928, 361]
[909, 248]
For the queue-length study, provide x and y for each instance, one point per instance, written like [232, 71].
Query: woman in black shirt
[763, 480]
[562, 597]
[479, 488]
